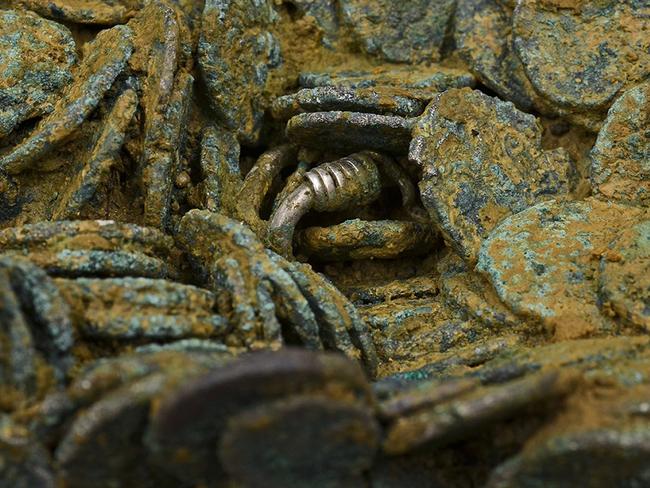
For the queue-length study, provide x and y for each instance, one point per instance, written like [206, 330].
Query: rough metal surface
[620, 159]
[382, 100]
[258, 290]
[351, 131]
[624, 278]
[91, 248]
[432, 78]
[124, 309]
[411, 31]
[582, 54]
[467, 291]
[325, 15]
[362, 239]
[36, 58]
[236, 73]
[482, 32]
[193, 420]
[543, 262]
[185, 137]
[482, 161]
[25, 463]
[103, 156]
[94, 76]
[339, 443]
[101, 12]
[220, 170]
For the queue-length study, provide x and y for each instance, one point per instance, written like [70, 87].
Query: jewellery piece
[328, 187]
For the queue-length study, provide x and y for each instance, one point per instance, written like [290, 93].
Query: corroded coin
[101, 12]
[351, 131]
[24, 462]
[483, 34]
[620, 158]
[319, 440]
[128, 309]
[108, 406]
[94, 76]
[432, 79]
[469, 292]
[625, 275]
[362, 239]
[482, 160]
[236, 72]
[543, 262]
[37, 57]
[411, 31]
[382, 100]
[92, 248]
[582, 54]
[187, 424]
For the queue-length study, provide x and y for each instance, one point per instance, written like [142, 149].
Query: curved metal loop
[392, 171]
[257, 183]
[331, 186]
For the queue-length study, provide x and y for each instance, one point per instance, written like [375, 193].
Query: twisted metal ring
[331, 186]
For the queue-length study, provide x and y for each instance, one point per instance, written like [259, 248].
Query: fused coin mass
[324, 243]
